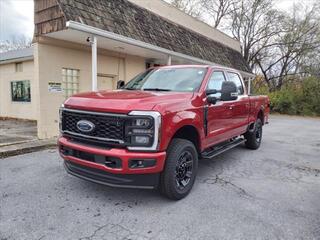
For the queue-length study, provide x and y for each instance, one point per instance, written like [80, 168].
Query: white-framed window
[70, 81]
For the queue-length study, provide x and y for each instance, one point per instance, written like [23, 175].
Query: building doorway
[106, 81]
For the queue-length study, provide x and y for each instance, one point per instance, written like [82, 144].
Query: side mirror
[212, 100]
[120, 84]
[229, 91]
[211, 91]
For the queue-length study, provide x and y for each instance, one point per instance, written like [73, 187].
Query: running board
[222, 148]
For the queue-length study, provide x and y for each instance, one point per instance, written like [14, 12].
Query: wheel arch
[261, 115]
[189, 132]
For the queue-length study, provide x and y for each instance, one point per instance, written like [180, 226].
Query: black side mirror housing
[211, 91]
[120, 84]
[229, 91]
[212, 100]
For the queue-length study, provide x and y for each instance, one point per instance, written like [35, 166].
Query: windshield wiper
[129, 88]
[156, 89]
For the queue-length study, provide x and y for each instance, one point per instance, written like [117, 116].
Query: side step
[214, 151]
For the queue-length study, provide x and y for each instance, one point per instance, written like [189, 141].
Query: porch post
[94, 63]
[169, 60]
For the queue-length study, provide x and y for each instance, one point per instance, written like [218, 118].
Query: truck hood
[124, 101]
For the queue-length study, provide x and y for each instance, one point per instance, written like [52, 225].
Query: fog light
[142, 163]
[141, 139]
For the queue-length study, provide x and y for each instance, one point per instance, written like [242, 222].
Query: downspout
[169, 60]
[93, 42]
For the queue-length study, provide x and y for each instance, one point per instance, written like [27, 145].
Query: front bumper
[119, 176]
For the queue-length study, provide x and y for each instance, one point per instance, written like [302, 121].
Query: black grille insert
[107, 127]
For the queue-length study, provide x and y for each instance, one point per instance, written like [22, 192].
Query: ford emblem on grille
[85, 126]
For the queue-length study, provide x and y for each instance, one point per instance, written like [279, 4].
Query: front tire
[180, 170]
[254, 137]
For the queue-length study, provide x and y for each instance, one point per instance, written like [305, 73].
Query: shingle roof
[127, 19]
[17, 54]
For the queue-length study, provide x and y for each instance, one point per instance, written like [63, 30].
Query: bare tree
[16, 42]
[291, 50]
[191, 7]
[273, 43]
[212, 12]
[310, 65]
[310, 62]
[255, 24]
[218, 10]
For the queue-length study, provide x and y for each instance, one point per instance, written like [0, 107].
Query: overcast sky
[16, 16]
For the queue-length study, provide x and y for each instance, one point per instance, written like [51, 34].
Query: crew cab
[151, 132]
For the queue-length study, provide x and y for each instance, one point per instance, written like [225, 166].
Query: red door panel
[219, 121]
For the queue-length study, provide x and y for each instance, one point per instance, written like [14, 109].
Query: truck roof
[198, 66]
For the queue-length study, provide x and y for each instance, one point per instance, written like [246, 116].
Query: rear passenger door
[240, 107]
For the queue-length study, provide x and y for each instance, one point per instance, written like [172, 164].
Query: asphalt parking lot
[271, 193]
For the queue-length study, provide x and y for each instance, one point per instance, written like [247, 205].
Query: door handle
[231, 107]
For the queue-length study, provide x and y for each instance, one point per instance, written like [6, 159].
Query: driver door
[218, 115]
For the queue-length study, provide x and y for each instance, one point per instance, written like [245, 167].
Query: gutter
[13, 60]
[113, 36]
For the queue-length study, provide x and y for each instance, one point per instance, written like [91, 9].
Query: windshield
[168, 79]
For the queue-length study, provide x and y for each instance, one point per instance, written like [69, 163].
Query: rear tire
[180, 171]
[254, 137]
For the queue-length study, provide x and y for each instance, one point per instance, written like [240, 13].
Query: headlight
[60, 117]
[143, 130]
[140, 122]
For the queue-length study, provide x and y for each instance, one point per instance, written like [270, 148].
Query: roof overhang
[14, 60]
[79, 33]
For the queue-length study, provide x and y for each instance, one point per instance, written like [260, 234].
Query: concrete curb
[27, 147]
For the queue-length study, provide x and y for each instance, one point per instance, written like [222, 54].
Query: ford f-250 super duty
[152, 131]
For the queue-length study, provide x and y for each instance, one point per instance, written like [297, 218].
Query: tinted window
[236, 79]
[170, 79]
[215, 82]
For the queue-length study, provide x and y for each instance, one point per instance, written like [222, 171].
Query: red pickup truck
[151, 132]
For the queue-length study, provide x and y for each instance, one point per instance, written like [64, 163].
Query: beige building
[16, 81]
[128, 35]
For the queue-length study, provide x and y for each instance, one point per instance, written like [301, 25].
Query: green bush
[302, 98]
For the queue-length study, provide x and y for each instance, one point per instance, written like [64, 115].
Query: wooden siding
[48, 17]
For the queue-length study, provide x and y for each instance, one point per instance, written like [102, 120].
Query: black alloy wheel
[184, 169]
[254, 137]
[180, 170]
